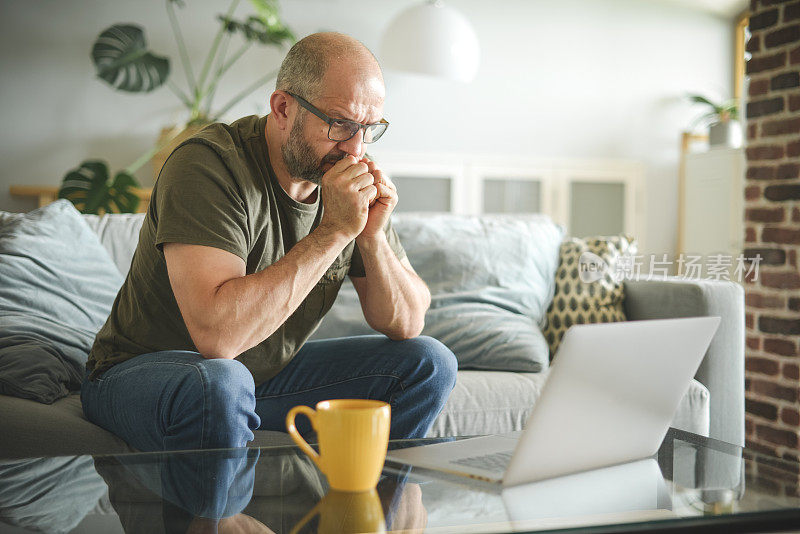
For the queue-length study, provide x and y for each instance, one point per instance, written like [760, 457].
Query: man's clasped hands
[358, 197]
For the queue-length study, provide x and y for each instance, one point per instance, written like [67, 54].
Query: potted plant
[724, 128]
[122, 59]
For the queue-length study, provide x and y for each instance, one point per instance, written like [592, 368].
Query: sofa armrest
[722, 369]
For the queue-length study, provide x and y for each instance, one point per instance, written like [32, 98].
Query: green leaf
[698, 99]
[86, 186]
[120, 194]
[88, 189]
[729, 107]
[264, 27]
[122, 59]
[706, 118]
[267, 11]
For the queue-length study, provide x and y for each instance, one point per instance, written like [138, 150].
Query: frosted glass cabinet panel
[418, 193]
[586, 197]
[511, 196]
[596, 208]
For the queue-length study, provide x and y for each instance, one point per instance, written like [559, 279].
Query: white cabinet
[587, 197]
[713, 203]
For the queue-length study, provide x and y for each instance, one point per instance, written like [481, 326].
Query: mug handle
[295, 435]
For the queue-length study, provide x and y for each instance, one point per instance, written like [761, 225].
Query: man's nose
[355, 145]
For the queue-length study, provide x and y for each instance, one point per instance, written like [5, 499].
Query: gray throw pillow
[58, 285]
[491, 280]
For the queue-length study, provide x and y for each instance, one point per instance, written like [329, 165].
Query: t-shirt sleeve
[198, 202]
[357, 263]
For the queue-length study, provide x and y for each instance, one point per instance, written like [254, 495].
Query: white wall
[568, 79]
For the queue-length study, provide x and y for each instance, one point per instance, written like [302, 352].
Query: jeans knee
[230, 374]
[229, 403]
[437, 360]
[228, 380]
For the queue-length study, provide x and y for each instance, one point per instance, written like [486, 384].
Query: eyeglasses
[342, 129]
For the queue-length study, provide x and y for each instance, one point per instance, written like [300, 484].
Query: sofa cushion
[119, 234]
[484, 402]
[491, 279]
[489, 402]
[58, 287]
[583, 295]
[29, 429]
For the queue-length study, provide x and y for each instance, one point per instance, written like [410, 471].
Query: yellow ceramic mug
[353, 435]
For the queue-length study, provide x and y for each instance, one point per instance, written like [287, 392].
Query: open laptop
[611, 394]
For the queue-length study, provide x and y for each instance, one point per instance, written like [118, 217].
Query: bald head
[340, 79]
[304, 68]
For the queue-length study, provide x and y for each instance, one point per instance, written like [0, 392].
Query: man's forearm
[396, 299]
[247, 310]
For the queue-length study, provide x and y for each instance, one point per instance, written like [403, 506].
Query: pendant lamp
[431, 38]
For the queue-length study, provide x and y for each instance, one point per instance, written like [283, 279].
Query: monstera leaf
[122, 59]
[88, 189]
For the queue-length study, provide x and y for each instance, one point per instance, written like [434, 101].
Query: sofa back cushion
[119, 235]
[491, 279]
[58, 284]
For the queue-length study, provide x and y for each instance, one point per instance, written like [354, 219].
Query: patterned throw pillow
[596, 297]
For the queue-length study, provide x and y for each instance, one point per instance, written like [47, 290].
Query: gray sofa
[483, 401]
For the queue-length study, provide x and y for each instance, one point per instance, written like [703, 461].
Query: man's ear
[279, 107]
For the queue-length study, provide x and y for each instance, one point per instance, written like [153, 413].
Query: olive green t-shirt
[218, 189]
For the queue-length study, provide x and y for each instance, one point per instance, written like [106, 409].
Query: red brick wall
[772, 229]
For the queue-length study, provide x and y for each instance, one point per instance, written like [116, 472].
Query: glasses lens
[374, 132]
[342, 130]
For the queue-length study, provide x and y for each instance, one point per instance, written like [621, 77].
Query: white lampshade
[432, 38]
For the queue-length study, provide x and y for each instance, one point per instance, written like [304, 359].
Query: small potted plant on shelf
[122, 59]
[724, 128]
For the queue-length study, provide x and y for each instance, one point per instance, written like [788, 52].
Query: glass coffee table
[692, 484]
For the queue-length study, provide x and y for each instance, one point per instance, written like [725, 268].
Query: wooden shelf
[45, 194]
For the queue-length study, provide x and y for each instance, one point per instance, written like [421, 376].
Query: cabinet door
[504, 195]
[424, 193]
[596, 208]
[505, 188]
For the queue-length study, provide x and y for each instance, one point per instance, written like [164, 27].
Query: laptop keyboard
[496, 461]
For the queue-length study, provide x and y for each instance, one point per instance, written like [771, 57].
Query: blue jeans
[177, 400]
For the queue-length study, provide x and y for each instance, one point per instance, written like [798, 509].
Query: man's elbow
[210, 344]
[220, 353]
[401, 336]
[402, 332]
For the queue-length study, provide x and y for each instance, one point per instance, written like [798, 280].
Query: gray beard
[299, 158]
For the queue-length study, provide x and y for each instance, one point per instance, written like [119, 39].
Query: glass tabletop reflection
[692, 482]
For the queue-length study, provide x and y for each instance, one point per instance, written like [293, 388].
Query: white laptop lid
[612, 392]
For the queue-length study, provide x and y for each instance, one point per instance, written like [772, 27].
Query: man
[248, 236]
